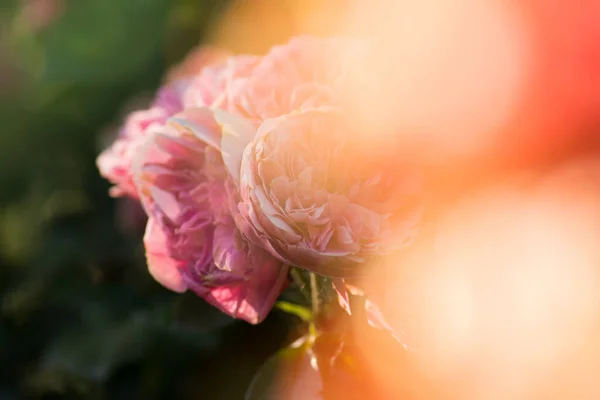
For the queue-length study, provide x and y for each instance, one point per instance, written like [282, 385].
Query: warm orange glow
[506, 299]
[449, 73]
[255, 26]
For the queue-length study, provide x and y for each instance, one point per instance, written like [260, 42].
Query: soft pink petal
[163, 268]
[201, 123]
[236, 133]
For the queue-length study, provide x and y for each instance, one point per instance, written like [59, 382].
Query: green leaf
[290, 374]
[104, 40]
[301, 312]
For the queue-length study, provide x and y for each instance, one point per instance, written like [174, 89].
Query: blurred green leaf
[3, 338]
[55, 381]
[6, 394]
[103, 40]
[94, 352]
[295, 309]
[290, 374]
[20, 226]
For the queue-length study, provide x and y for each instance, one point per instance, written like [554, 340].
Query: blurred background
[486, 91]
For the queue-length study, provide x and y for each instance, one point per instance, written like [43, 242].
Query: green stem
[314, 293]
[300, 283]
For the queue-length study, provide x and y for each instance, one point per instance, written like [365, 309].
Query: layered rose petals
[196, 87]
[219, 85]
[191, 240]
[307, 203]
[177, 172]
[297, 75]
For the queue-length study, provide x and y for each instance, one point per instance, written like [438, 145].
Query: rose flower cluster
[247, 167]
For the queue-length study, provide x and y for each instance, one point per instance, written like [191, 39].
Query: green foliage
[100, 41]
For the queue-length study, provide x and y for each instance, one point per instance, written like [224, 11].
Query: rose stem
[314, 292]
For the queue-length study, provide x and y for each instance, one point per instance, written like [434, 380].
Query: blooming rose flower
[307, 200]
[191, 240]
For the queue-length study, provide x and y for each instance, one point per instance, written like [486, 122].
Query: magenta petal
[229, 299]
[226, 254]
[166, 170]
[252, 299]
[163, 268]
[173, 189]
[192, 241]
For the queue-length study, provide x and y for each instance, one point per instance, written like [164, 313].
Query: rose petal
[201, 123]
[236, 133]
[163, 268]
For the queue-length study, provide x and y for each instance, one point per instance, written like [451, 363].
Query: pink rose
[191, 239]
